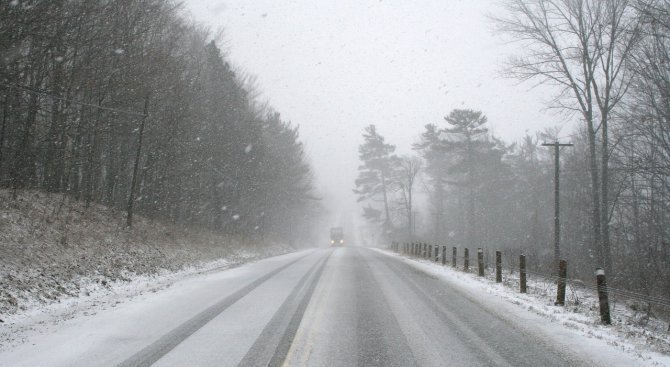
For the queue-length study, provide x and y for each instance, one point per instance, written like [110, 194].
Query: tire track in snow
[153, 352]
[271, 347]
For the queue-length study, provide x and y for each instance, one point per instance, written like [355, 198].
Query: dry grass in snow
[53, 248]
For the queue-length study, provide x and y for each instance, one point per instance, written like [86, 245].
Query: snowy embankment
[632, 336]
[58, 257]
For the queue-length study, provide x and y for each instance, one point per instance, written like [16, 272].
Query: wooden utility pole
[557, 223]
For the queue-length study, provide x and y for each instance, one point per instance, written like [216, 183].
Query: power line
[47, 94]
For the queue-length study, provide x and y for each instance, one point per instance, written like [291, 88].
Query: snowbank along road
[326, 307]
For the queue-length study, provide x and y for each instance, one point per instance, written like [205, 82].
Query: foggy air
[340, 183]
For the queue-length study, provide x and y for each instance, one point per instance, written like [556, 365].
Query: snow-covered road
[325, 307]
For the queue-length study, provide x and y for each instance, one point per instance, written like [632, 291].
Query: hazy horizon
[336, 67]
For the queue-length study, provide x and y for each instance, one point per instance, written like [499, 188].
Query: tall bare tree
[583, 47]
[74, 118]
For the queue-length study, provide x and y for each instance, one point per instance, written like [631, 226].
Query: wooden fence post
[480, 261]
[466, 260]
[454, 252]
[444, 255]
[498, 267]
[522, 273]
[602, 297]
[562, 275]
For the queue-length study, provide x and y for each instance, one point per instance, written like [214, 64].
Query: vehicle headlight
[332, 241]
[341, 241]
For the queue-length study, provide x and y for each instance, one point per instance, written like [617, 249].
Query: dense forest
[609, 63]
[129, 104]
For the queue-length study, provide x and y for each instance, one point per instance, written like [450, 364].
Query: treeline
[129, 104]
[611, 63]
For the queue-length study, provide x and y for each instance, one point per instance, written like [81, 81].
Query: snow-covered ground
[109, 332]
[60, 259]
[39, 318]
[632, 336]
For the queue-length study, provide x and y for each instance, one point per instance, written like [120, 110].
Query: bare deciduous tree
[583, 47]
[74, 76]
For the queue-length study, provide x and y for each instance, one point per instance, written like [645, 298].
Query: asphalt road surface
[345, 306]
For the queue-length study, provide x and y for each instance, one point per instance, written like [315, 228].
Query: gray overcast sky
[335, 66]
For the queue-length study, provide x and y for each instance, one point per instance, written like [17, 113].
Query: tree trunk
[607, 252]
[387, 219]
[5, 113]
[23, 167]
[133, 182]
[471, 194]
[595, 192]
[409, 209]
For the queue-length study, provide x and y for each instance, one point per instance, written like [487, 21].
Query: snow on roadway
[613, 345]
[97, 320]
[103, 331]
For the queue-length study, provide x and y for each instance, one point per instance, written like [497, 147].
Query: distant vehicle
[337, 236]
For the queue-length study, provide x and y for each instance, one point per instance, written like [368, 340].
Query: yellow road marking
[311, 322]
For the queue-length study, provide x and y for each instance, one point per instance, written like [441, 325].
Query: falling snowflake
[119, 51]
[236, 217]
[248, 148]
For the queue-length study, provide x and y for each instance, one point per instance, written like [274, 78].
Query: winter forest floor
[58, 256]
